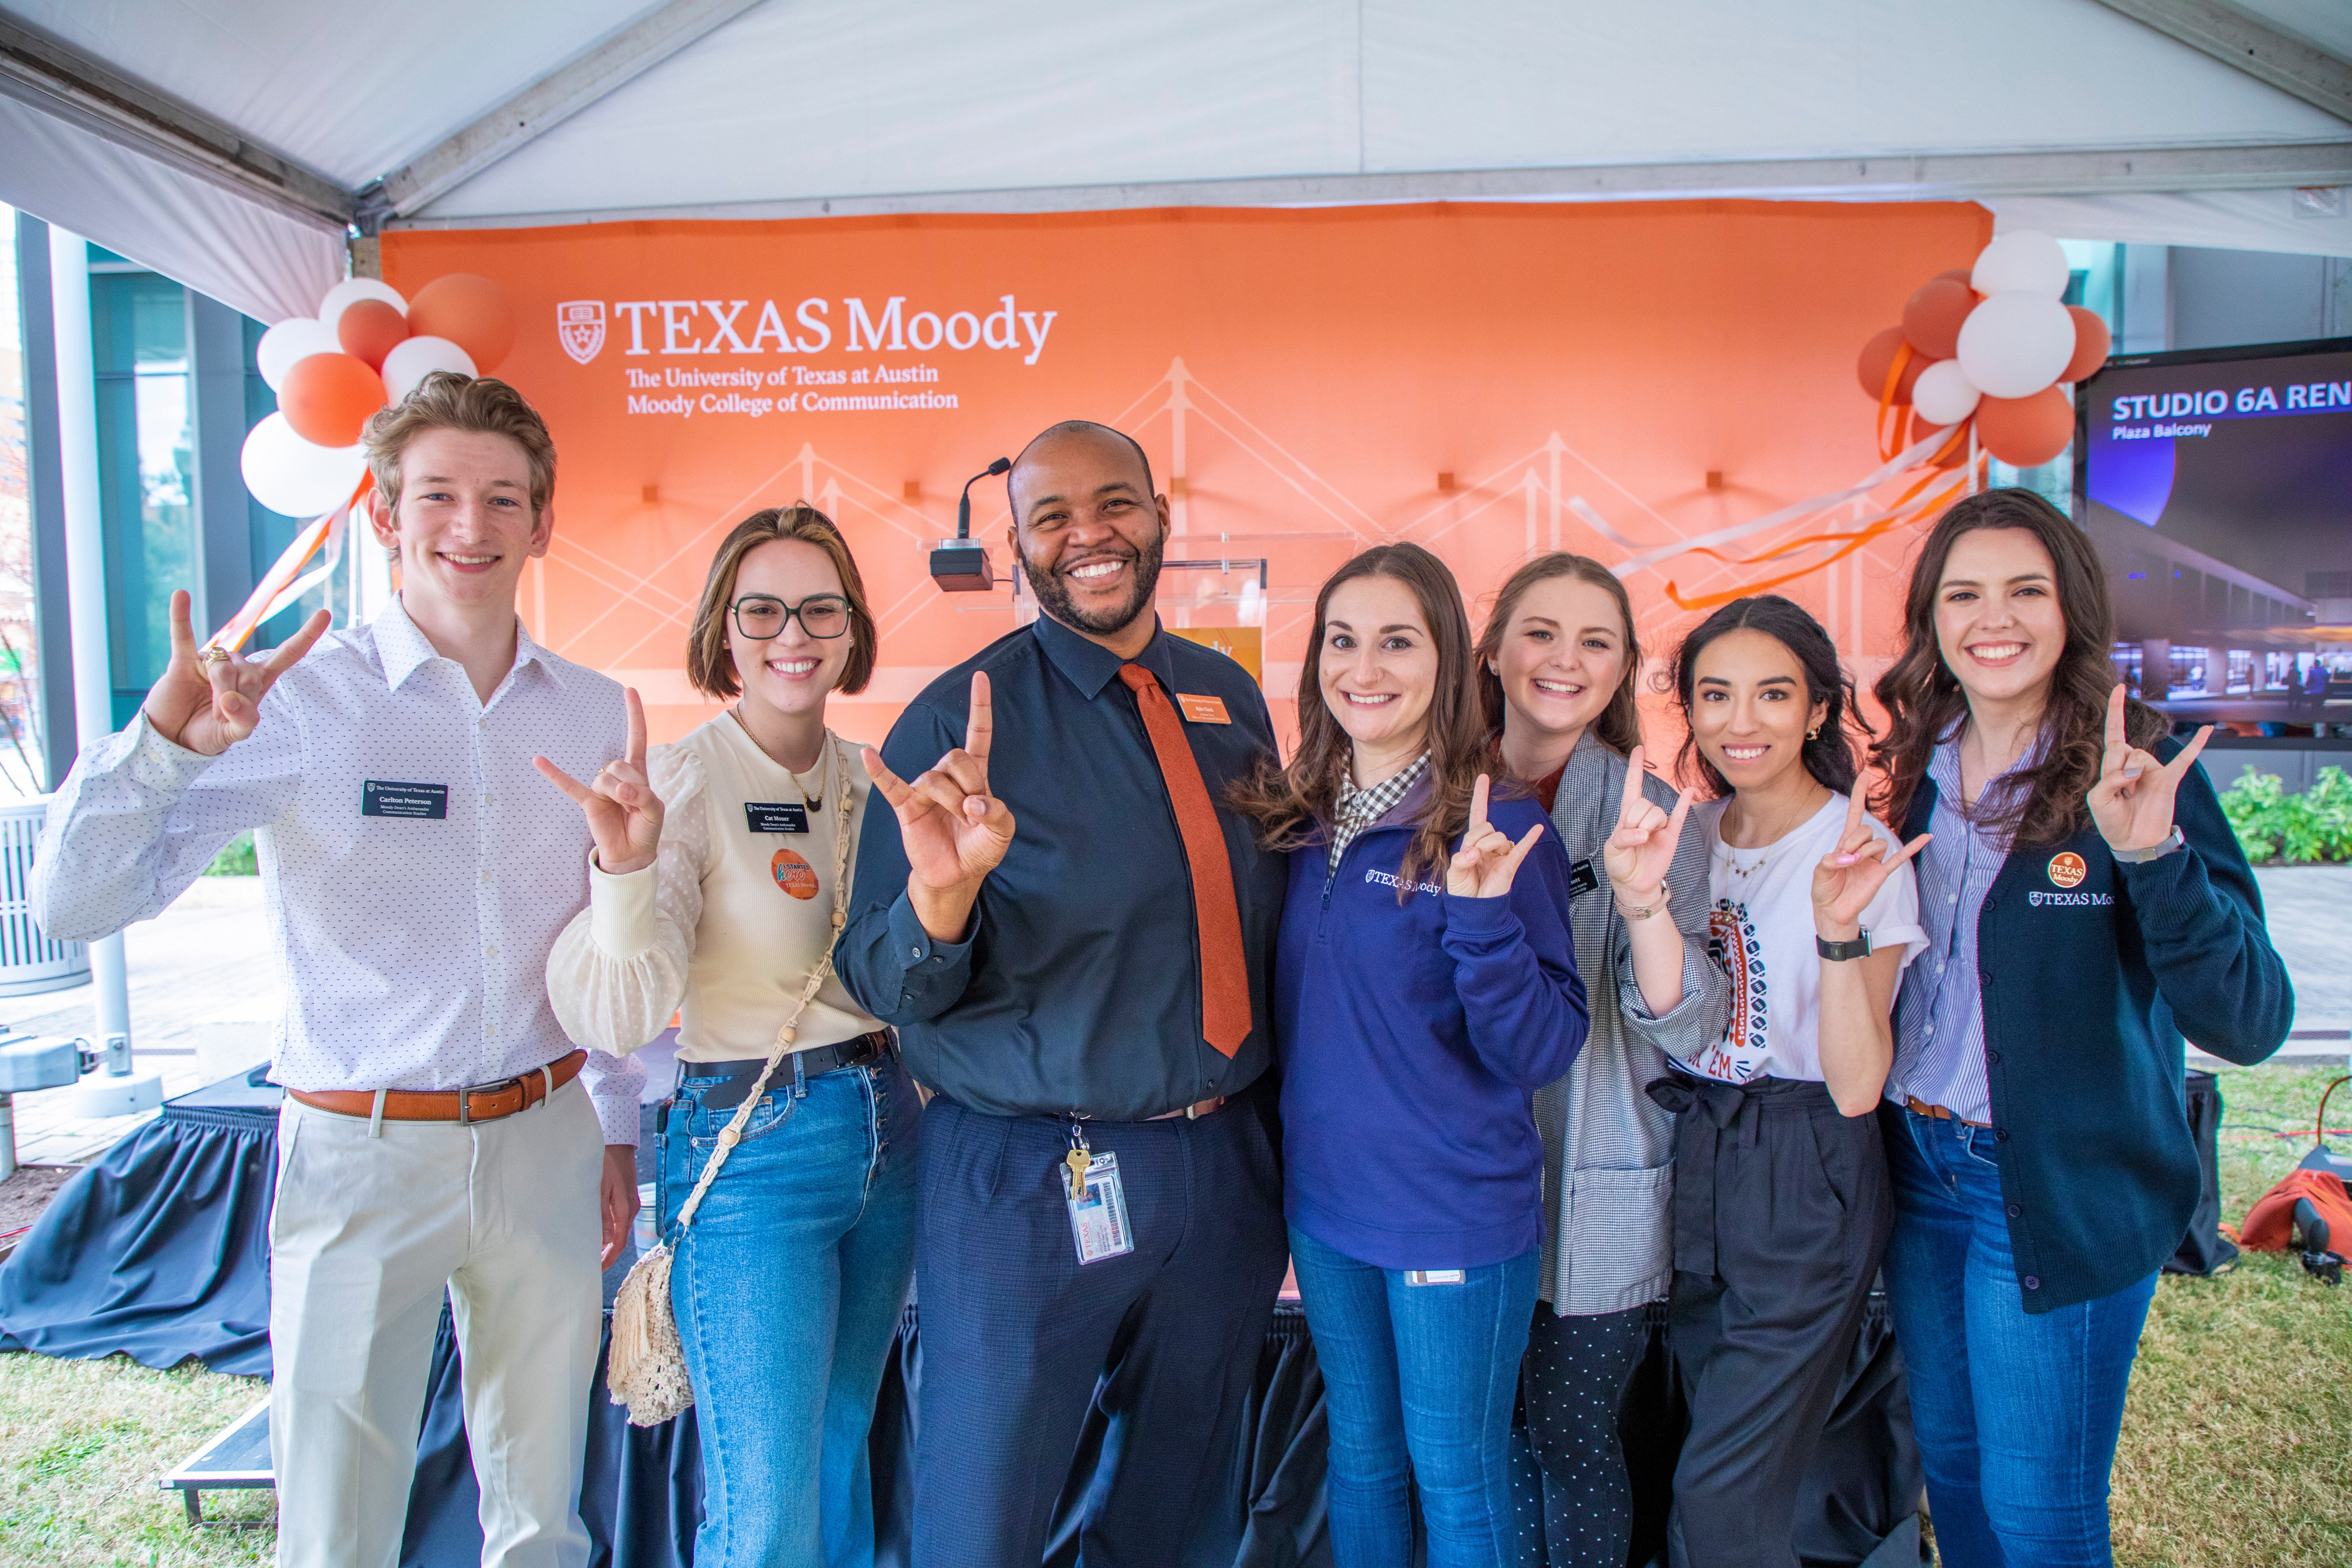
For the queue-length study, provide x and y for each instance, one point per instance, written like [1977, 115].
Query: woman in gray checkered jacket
[1556, 668]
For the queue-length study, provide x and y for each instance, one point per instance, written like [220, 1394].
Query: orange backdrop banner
[1633, 382]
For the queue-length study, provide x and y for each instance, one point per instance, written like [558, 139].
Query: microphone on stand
[960, 565]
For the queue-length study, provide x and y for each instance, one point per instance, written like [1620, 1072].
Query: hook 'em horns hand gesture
[2132, 801]
[954, 831]
[208, 704]
[1642, 849]
[625, 815]
[1850, 876]
[1483, 868]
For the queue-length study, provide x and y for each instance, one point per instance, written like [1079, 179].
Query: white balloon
[1944, 394]
[413, 359]
[289, 475]
[2014, 344]
[297, 337]
[351, 290]
[2022, 260]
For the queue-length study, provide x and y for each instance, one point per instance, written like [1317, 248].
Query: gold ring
[213, 656]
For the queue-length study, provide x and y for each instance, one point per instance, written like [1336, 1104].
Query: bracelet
[2173, 840]
[1643, 911]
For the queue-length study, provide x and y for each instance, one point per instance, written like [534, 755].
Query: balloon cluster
[365, 348]
[1988, 344]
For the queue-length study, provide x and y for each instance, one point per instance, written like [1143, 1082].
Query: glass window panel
[139, 330]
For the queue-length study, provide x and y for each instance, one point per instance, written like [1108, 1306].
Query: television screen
[2244, 454]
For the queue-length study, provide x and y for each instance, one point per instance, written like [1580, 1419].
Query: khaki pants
[368, 1231]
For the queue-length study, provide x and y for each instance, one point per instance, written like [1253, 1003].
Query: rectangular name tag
[1434, 1276]
[1202, 709]
[383, 797]
[775, 816]
[1099, 1220]
[1581, 877]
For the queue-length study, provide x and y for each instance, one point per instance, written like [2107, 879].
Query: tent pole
[86, 598]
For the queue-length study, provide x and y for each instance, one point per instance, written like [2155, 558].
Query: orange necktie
[1217, 919]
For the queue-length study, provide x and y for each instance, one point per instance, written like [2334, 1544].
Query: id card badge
[1099, 1214]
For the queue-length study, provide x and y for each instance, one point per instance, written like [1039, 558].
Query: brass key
[1077, 1161]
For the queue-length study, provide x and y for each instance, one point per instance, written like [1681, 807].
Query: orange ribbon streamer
[284, 570]
[1888, 447]
[1904, 510]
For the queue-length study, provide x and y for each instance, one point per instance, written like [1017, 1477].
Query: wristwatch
[1839, 951]
[2172, 841]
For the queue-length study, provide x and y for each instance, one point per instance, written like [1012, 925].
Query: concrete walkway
[204, 994]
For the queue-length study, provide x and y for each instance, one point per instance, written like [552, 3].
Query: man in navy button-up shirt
[1026, 921]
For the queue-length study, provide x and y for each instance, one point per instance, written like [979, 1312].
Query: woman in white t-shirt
[1781, 1205]
[721, 862]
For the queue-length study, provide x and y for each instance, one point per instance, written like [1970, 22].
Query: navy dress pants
[1019, 1339]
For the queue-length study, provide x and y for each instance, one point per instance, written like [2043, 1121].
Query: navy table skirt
[161, 1251]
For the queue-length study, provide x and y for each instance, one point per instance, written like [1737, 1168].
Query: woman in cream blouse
[712, 893]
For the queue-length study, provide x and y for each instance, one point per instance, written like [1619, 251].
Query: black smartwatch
[1838, 951]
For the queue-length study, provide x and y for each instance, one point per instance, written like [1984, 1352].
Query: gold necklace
[814, 802]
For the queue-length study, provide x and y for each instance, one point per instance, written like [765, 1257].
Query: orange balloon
[329, 397]
[2025, 431]
[1921, 430]
[2091, 343]
[1960, 275]
[1932, 317]
[369, 330]
[470, 312]
[1876, 355]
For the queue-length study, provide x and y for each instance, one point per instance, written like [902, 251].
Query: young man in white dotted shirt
[439, 1131]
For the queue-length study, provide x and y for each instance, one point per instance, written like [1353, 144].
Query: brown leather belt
[1918, 1107]
[1194, 1111]
[488, 1102]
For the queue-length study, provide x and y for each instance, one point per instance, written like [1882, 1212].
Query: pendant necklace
[814, 802]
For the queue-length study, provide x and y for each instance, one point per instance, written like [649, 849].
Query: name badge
[1202, 709]
[775, 816]
[1581, 877]
[1099, 1216]
[383, 797]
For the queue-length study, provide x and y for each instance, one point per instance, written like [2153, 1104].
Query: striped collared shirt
[1939, 1017]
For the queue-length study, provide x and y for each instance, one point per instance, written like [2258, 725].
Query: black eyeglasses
[760, 616]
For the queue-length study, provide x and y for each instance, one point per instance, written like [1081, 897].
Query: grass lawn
[2235, 1448]
[81, 1445]
[2237, 1440]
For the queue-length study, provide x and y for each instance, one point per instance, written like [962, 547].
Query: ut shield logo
[580, 328]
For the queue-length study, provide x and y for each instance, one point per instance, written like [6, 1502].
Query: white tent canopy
[226, 143]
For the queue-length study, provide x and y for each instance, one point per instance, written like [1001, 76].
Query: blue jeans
[788, 1289]
[1418, 1380]
[2017, 1413]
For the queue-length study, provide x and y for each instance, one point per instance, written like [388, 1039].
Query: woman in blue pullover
[1425, 987]
[2085, 903]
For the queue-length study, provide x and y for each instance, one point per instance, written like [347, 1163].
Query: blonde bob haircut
[447, 401]
[708, 665]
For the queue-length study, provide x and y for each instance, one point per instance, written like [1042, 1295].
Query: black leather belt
[817, 1060]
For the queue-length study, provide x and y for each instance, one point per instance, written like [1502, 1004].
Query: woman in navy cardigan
[2086, 904]
[1425, 987]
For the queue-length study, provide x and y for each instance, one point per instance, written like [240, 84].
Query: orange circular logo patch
[798, 878]
[2066, 871]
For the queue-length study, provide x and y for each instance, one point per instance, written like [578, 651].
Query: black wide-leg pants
[1017, 1334]
[1782, 1211]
